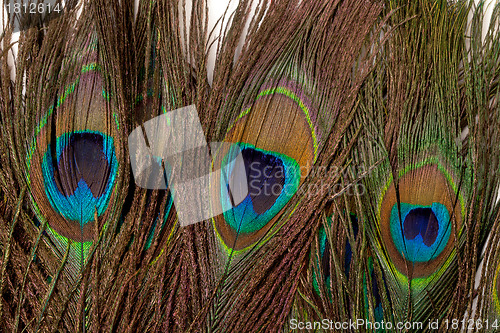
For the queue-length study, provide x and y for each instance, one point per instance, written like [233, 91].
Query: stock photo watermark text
[449, 325]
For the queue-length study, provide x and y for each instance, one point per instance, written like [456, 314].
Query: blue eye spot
[423, 233]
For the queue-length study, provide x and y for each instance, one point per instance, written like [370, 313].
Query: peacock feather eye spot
[418, 218]
[277, 137]
[425, 231]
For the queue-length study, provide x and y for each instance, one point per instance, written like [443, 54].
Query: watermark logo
[24, 14]
[170, 151]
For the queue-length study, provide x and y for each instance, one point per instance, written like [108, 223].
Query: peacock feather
[286, 116]
[71, 172]
[421, 208]
[273, 162]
